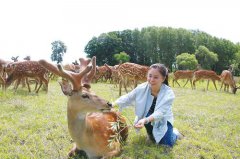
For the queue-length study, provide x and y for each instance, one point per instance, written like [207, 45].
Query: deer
[2, 82]
[20, 70]
[205, 74]
[183, 74]
[114, 73]
[89, 116]
[227, 80]
[131, 72]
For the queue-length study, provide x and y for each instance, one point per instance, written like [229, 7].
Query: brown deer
[183, 74]
[2, 83]
[205, 74]
[24, 69]
[88, 123]
[114, 73]
[227, 80]
[131, 72]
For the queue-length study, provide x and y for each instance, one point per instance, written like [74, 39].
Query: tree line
[163, 45]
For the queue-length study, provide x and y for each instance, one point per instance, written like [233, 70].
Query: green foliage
[186, 61]
[236, 64]
[122, 57]
[58, 50]
[35, 126]
[159, 45]
[205, 57]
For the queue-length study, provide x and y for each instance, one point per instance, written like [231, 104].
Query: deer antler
[86, 80]
[75, 78]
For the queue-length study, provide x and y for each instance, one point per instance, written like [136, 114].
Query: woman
[153, 106]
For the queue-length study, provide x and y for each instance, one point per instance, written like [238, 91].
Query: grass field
[35, 126]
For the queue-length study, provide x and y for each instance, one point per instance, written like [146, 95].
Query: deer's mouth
[105, 110]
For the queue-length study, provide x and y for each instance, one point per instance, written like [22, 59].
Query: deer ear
[66, 87]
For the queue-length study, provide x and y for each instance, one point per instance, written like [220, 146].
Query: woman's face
[154, 77]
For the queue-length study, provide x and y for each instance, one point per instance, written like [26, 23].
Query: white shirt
[142, 99]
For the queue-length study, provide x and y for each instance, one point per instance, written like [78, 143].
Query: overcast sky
[27, 27]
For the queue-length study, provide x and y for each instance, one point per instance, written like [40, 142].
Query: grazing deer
[88, 124]
[24, 69]
[205, 74]
[183, 74]
[227, 80]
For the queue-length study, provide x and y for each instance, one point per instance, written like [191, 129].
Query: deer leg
[125, 85]
[194, 81]
[29, 89]
[221, 86]
[39, 86]
[80, 153]
[120, 87]
[186, 83]
[177, 83]
[23, 82]
[214, 84]
[46, 83]
[115, 152]
[207, 84]
[17, 84]
[36, 84]
[191, 83]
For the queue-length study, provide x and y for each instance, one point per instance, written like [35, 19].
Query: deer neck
[76, 121]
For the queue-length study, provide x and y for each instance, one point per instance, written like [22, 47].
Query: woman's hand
[140, 123]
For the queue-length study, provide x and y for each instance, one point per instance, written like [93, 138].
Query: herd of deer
[226, 78]
[89, 116]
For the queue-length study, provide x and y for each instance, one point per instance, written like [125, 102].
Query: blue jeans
[168, 139]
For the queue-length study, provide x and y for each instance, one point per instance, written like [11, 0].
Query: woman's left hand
[140, 123]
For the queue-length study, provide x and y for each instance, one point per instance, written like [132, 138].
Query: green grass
[35, 126]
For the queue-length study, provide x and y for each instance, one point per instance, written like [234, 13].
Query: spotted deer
[2, 83]
[114, 73]
[227, 80]
[131, 72]
[183, 74]
[205, 74]
[88, 122]
[24, 69]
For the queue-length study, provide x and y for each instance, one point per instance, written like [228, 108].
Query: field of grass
[35, 126]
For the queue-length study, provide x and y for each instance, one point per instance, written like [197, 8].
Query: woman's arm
[126, 100]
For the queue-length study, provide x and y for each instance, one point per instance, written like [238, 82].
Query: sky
[28, 27]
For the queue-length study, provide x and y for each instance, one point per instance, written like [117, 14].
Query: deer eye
[85, 96]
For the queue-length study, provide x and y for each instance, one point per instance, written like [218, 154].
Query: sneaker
[179, 135]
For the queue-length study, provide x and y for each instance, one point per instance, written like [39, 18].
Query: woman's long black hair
[162, 69]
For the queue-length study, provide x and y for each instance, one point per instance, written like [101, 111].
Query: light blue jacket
[142, 99]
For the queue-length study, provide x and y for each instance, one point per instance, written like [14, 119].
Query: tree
[186, 61]
[205, 57]
[58, 50]
[122, 57]
[236, 64]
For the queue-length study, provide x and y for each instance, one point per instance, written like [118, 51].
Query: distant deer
[88, 125]
[227, 80]
[24, 69]
[205, 74]
[183, 74]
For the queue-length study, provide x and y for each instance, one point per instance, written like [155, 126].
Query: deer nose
[109, 104]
